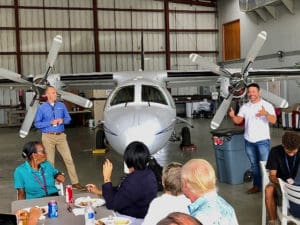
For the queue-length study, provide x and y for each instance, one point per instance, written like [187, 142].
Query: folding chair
[289, 193]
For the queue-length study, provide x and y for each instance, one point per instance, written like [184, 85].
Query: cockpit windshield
[123, 95]
[153, 94]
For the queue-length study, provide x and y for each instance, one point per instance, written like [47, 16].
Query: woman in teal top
[35, 178]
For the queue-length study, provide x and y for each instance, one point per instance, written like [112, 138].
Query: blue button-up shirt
[211, 209]
[46, 113]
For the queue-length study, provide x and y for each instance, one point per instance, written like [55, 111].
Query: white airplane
[140, 108]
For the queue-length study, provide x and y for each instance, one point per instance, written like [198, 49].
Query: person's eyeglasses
[41, 151]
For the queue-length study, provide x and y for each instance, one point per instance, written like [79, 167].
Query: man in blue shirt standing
[50, 118]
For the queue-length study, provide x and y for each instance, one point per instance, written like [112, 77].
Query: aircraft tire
[100, 139]
[186, 137]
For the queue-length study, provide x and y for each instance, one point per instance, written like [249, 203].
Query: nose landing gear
[186, 144]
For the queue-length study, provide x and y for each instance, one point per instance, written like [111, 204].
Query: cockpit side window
[153, 94]
[123, 95]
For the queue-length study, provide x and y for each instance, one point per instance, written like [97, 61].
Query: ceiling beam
[212, 3]
[272, 10]
[289, 4]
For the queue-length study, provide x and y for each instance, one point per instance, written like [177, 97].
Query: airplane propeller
[41, 83]
[76, 99]
[238, 81]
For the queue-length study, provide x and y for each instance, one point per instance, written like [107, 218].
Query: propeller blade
[203, 63]
[29, 119]
[76, 99]
[56, 44]
[221, 112]
[7, 74]
[274, 99]
[254, 50]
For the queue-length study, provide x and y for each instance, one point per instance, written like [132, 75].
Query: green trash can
[231, 159]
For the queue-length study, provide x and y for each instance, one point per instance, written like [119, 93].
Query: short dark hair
[30, 148]
[254, 85]
[179, 218]
[290, 140]
[137, 155]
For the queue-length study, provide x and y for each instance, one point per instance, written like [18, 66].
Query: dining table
[65, 216]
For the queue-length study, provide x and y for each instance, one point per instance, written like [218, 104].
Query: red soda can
[69, 194]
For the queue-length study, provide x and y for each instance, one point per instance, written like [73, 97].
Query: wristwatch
[59, 173]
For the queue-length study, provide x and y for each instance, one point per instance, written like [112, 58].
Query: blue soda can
[52, 209]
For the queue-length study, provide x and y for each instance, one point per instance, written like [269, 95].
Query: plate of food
[84, 201]
[113, 221]
[43, 208]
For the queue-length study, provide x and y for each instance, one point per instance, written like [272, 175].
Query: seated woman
[133, 196]
[35, 178]
[172, 200]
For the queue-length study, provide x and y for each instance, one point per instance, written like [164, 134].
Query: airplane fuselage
[139, 110]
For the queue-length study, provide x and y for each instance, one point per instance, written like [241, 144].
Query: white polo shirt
[256, 128]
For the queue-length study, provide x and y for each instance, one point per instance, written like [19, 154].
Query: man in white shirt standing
[256, 115]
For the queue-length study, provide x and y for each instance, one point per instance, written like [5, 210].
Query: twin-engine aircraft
[140, 108]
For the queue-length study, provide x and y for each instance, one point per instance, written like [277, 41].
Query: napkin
[78, 211]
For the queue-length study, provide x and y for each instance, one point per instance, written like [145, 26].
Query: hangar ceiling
[266, 8]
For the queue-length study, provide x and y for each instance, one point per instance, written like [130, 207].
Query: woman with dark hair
[133, 196]
[35, 178]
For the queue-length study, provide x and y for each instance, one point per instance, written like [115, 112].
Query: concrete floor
[82, 140]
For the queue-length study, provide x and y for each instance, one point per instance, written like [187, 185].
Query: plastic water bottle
[89, 215]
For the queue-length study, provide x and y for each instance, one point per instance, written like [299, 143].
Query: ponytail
[157, 170]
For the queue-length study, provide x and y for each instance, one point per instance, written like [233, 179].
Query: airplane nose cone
[131, 124]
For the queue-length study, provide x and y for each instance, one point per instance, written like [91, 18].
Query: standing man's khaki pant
[59, 142]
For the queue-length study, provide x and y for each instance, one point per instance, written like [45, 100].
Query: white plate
[116, 220]
[83, 201]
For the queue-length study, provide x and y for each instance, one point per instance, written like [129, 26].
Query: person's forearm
[236, 119]
[271, 118]
[32, 220]
[274, 179]
[21, 196]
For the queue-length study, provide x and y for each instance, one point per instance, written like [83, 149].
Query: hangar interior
[105, 36]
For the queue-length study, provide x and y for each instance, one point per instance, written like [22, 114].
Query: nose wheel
[186, 144]
[100, 142]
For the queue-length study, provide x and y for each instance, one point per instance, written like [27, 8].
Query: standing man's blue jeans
[256, 152]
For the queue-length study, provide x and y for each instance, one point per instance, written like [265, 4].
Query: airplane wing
[108, 80]
[89, 81]
[274, 74]
[191, 78]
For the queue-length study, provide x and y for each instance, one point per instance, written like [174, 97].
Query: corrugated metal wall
[120, 23]
[24, 43]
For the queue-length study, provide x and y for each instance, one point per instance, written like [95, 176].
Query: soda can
[52, 209]
[69, 194]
